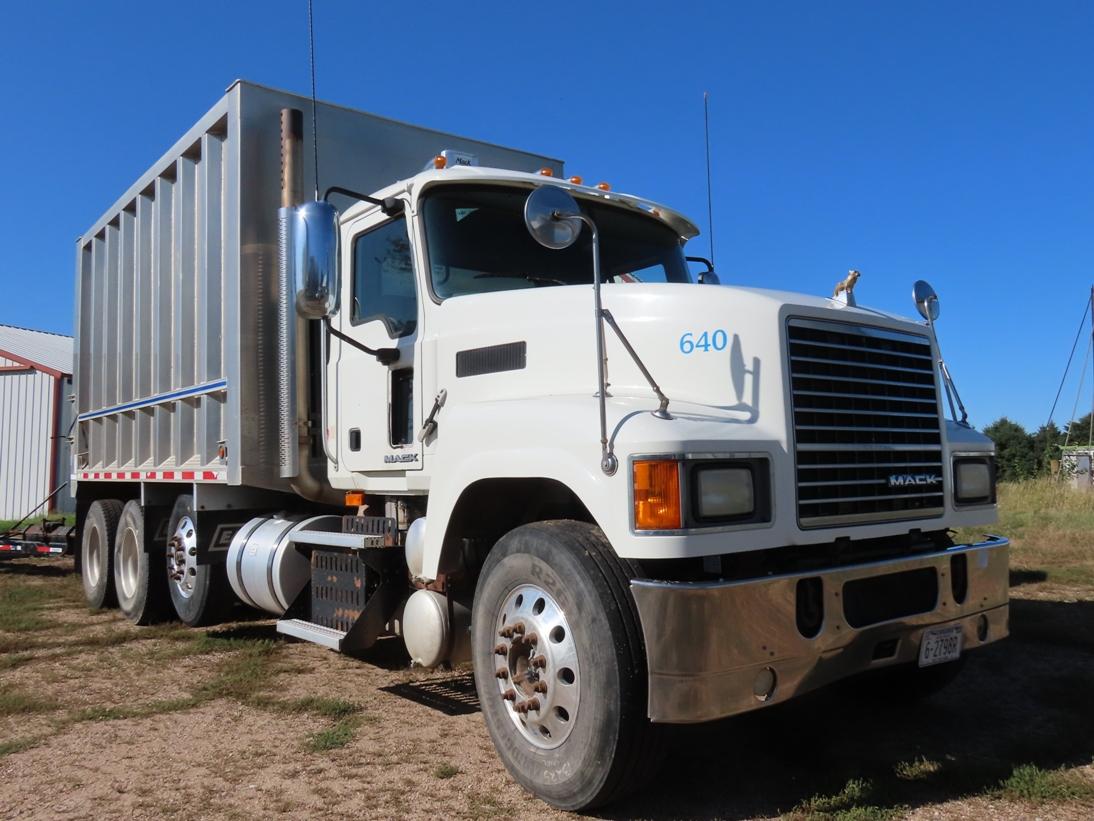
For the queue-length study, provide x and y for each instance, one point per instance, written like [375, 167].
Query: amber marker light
[439, 162]
[546, 172]
[657, 494]
[576, 180]
[603, 186]
[355, 498]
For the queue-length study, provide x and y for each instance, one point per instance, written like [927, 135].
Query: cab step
[315, 633]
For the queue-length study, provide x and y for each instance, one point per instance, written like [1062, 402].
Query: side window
[383, 279]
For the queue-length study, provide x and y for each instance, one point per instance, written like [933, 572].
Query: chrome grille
[867, 438]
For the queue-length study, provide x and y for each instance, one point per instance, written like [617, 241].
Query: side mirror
[552, 217]
[314, 237]
[926, 300]
[707, 277]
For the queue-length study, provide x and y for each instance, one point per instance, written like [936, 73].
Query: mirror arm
[385, 356]
[391, 206]
[704, 260]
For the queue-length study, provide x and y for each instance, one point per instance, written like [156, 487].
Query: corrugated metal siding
[52, 350]
[26, 423]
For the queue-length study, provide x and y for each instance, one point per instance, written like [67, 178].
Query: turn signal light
[546, 172]
[355, 498]
[440, 162]
[657, 495]
[603, 186]
[576, 180]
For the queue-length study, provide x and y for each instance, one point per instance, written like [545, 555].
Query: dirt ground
[99, 718]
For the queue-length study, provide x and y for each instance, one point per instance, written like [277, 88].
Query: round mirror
[552, 217]
[926, 300]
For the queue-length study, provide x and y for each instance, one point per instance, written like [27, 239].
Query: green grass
[18, 745]
[333, 737]
[1034, 785]
[15, 702]
[852, 803]
[21, 607]
[153, 708]
[446, 770]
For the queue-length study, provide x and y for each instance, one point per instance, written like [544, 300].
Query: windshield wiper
[530, 277]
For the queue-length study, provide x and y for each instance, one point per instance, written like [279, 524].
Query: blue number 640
[706, 341]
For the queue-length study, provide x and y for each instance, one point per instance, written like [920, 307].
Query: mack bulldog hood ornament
[846, 287]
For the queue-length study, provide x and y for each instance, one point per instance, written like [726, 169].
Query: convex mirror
[926, 300]
[552, 217]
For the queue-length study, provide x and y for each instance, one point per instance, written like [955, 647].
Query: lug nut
[532, 638]
[531, 704]
[502, 673]
[518, 627]
[501, 650]
[539, 661]
[540, 687]
[510, 695]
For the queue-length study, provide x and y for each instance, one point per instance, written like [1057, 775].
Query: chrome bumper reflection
[708, 642]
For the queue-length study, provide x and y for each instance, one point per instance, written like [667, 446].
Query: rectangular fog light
[725, 492]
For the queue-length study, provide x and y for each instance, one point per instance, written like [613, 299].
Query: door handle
[429, 427]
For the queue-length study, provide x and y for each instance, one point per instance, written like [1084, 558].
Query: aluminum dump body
[177, 288]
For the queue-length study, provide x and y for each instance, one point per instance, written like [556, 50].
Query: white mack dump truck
[488, 409]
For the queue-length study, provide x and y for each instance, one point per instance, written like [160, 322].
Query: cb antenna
[710, 206]
[314, 131]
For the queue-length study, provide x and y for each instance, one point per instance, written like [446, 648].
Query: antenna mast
[710, 206]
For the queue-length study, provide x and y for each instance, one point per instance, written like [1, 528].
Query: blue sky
[946, 141]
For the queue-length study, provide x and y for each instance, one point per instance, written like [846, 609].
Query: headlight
[724, 492]
[974, 480]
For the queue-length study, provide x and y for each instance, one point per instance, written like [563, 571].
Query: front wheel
[560, 665]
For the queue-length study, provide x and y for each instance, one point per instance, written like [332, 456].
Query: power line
[1082, 324]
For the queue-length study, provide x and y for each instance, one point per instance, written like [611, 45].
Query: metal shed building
[35, 413]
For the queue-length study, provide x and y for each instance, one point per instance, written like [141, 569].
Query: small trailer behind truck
[445, 392]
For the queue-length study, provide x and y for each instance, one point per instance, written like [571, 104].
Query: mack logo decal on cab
[396, 458]
[908, 479]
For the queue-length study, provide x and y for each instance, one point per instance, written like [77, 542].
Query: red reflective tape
[188, 474]
[150, 475]
[208, 475]
[42, 548]
[96, 476]
[6, 547]
[169, 474]
[86, 474]
[108, 475]
[134, 474]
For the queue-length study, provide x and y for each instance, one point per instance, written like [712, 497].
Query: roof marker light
[440, 161]
[546, 172]
[576, 180]
[603, 186]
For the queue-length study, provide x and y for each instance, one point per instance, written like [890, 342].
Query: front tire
[97, 552]
[199, 592]
[565, 707]
[139, 579]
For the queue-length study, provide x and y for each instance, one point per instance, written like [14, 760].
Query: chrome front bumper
[707, 643]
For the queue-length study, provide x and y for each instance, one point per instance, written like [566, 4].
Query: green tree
[1014, 457]
[1046, 447]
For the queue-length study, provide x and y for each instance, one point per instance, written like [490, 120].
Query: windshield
[477, 242]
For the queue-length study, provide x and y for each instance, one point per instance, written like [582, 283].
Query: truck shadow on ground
[40, 567]
[1022, 701]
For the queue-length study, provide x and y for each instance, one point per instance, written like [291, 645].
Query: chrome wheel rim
[537, 668]
[182, 562]
[93, 559]
[126, 562]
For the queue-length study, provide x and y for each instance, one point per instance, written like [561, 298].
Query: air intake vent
[868, 444]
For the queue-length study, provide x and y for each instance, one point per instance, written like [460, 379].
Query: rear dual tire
[139, 579]
[199, 592]
[97, 552]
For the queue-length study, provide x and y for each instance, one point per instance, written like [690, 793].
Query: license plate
[941, 645]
